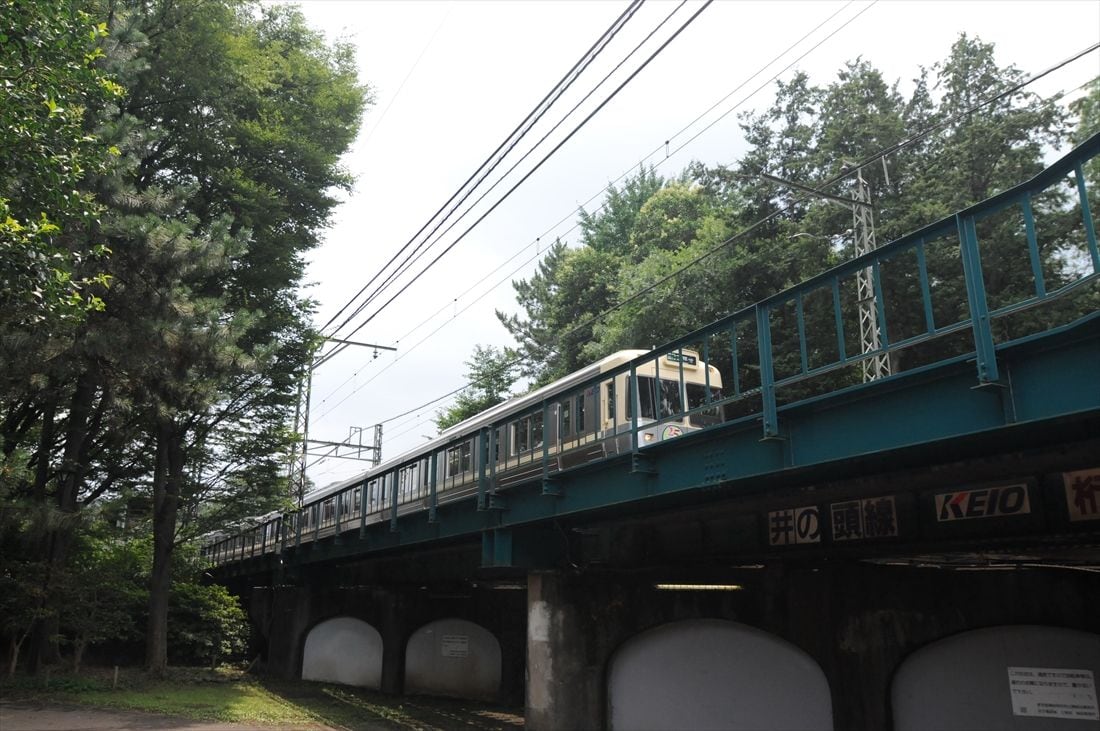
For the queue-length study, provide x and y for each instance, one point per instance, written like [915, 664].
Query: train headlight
[648, 436]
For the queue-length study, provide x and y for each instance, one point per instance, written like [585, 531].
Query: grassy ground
[231, 696]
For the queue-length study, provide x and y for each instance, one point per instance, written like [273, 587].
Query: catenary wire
[405, 80]
[796, 201]
[572, 212]
[421, 251]
[538, 165]
[424, 246]
[535, 113]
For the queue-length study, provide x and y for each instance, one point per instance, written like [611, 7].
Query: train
[581, 418]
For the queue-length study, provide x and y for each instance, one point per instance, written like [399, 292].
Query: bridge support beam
[285, 612]
[563, 691]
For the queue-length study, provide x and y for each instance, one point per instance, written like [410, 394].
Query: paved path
[21, 716]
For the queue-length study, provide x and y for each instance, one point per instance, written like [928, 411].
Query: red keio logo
[988, 502]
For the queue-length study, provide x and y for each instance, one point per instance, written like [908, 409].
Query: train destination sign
[684, 358]
[986, 502]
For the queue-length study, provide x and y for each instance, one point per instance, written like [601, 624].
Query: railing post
[1086, 218]
[975, 294]
[393, 500]
[767, 372]
[433, 499]
[634, 408]
[482, 470]
[363, 509]
[339, 514]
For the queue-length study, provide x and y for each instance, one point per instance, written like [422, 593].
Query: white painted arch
[962, 683]
[453, 657]
[343, 650]
[715, 674]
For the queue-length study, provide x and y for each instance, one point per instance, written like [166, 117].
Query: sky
[450, 82]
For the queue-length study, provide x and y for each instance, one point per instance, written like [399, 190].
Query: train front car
[674, 395]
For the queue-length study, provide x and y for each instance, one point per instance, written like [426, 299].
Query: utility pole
[863, 230]
[297, 472]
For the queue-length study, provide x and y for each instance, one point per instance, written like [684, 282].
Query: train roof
[474, 423]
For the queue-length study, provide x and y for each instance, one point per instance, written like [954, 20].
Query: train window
[536, 431]
[646, 408]
[357, 500]
[458, 459]
[671, 403]
[373, 501]
[329, 511]
[580, 414]
[523, 435]
[609, 400]
[566, 418]
[697, 397]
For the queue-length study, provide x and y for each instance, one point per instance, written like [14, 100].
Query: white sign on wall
[455, 646]
[1053, 693]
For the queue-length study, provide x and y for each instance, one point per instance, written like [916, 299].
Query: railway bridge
[919, 550]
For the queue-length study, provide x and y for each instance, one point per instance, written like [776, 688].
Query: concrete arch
[715, 674]
[343, 650]
[966, 681]
[453, 657]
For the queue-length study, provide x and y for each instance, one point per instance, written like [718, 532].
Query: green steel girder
[1052, 376]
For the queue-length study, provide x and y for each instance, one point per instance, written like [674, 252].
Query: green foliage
[491, 373]
[663, 258]
[207, 182]
[104, 590]
[206, 625]
[1087, 109]
[51, 85]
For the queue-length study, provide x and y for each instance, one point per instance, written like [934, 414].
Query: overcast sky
[452, 79]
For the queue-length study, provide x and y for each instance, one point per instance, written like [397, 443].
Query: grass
[231, 696]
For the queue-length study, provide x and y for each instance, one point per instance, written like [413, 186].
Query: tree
[253, 162]
[103, 591]
[52, 85]
[491, 373]
[571, 285]
[753, 238]
[181, 386]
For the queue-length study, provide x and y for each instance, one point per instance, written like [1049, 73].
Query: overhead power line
[421, 250]
[537, 166]
[517, 134]
[875, 157]
[622, 175]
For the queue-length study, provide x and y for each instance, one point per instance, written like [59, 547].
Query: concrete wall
[713, 674]
[453, 657]
[344, 650]
[858, 622]
[963, 682]
[284, 615]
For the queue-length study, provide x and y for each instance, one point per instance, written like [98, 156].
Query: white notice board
[1053, 693]
[455, 646]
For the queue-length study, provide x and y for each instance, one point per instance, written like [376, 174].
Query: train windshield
[649, 398]
[697, 397]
